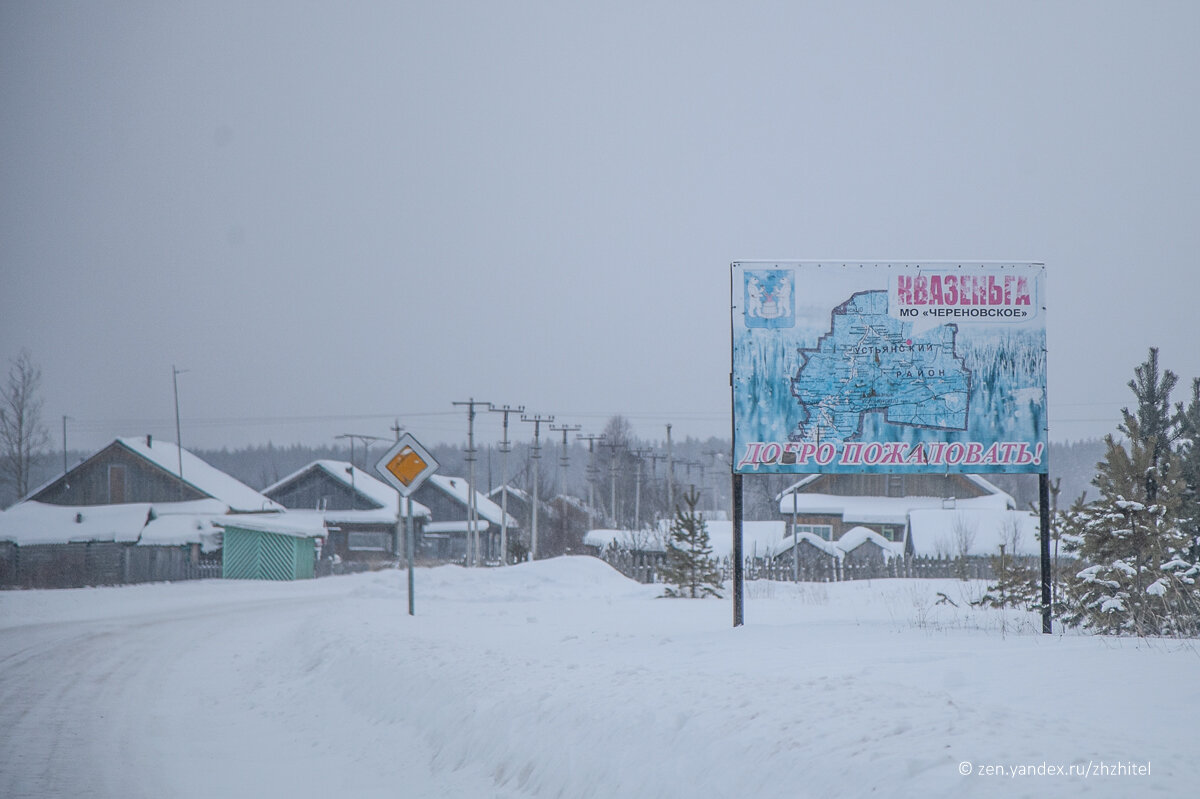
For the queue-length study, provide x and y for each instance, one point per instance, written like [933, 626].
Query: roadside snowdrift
[564, 679]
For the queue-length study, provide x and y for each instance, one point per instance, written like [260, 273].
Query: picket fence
[646, 567]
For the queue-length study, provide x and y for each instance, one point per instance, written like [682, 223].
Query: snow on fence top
[159, 524]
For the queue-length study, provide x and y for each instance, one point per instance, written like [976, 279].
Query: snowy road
[563, 679]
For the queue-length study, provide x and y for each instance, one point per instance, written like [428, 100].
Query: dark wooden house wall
[337, 542]
[308, 490]
[840, 526]
[518, 508]
[441, 506]
[867, 553]
[894, 485]
[89, 484]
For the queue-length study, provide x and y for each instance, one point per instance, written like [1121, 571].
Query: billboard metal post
[738, 578]
[1044, 512]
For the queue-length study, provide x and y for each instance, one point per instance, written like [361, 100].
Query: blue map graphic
[870, 361]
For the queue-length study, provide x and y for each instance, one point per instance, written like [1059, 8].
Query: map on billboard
[934, 367]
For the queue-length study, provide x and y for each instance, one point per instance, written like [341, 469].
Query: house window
[890, 532]
[116, 484]
[823, 530]
[368, 542]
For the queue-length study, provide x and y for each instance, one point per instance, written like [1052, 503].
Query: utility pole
[65, 418]
[655, 457]
[472, 507]
[366, 444]
[563, 462]
[591, 472]
[536, 455]
[670, 475]
[397, 428]
[505, 448]
[175, 373]
[637, 490]
[717, 456]
[613, 446]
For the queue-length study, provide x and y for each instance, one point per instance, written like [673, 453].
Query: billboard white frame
[851, 367]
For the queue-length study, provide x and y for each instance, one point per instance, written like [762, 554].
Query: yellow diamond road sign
[406, 465]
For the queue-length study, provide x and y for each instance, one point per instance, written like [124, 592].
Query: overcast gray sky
[333, 214]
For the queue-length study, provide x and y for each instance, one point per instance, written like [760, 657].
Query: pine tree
[1138, 576]
[1016, 584]
[690, 570]
[1189, 468]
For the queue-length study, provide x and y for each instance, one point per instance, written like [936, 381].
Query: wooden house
[124, 515]
[133, 470]
[520, 504]
[445, 537]
[831, 505]
[359, 510]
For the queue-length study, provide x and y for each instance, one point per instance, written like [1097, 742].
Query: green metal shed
[269, 548]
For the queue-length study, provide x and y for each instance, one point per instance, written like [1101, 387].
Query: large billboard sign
[889, 367]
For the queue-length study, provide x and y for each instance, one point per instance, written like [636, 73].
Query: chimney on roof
[149, 440]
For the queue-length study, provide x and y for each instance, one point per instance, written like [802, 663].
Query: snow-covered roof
[300, 525]
[435, 528]
[938, 532]
[363, 483]
[168, 529]
[991, 488]
[796, 485]
[828, 547]
[513, 491]
[640, 540]
[160, 524]
[850, 540]
[758, 538]
[855, 537]
[456, 487]
[885, 510]
[996, 497]
[204, 478]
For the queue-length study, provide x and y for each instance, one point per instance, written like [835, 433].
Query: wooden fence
[645, 567]
[97, 563]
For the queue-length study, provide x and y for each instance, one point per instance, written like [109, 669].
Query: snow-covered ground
[564, 679]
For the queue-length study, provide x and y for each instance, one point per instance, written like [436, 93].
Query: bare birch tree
[23, 437]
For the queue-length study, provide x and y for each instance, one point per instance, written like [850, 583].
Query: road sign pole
[411, 552]
[405, 467]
